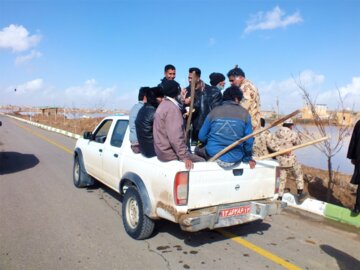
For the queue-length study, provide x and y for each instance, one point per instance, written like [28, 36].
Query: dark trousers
[355, 180]
[357, 203]
[200, 151]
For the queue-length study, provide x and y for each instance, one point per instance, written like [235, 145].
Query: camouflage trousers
[259, 147]
[296, 171]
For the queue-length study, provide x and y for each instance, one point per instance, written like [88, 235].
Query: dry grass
[77, 125]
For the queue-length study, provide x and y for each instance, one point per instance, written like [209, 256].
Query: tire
[77, 174]
[136, 223]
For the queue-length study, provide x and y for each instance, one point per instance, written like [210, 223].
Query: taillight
[181, 188]
[277, 180]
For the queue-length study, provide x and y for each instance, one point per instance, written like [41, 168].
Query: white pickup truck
[205, 197]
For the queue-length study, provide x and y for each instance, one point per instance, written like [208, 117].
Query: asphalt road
[47, 223]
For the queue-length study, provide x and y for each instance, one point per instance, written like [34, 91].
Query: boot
[301, 195]
[355, 211]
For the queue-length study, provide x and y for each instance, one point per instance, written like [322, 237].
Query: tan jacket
[286, 138]
[263, 143]
[169, 133]
[251, 102]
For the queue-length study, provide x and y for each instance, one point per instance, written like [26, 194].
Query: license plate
[235, 211]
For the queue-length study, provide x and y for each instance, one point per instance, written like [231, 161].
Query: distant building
[49, 111]
[344, 118]
[268, 114]
[320, 109]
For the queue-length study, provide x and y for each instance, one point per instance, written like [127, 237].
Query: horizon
[122, 110]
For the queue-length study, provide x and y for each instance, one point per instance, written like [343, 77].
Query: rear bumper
[210, 218]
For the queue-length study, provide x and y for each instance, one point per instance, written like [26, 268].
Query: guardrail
[327, 210]
[57, 130]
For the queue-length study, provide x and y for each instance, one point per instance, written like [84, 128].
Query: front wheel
[136, 223]
[80, 178]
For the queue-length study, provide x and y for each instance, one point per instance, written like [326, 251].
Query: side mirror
[87, 135]
[0, 123]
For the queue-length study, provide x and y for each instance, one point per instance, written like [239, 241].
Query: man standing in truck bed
[169, 74]
[251, 99]
[206, 98]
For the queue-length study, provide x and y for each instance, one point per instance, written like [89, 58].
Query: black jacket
[205, 100]
[144, 129]
[163, 80]
[354, 153]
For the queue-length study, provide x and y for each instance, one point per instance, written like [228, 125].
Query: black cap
[216, 78]
[171, 88]
[158, 91]
[152, 94]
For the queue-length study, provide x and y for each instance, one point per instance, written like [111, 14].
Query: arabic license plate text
[235, 211]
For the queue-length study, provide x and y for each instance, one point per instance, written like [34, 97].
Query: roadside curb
[60, 131]
[324, 209]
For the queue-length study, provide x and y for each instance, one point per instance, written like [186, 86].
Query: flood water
[313, 157]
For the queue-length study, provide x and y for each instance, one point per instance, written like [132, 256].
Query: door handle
[238, 172]
[100, 150]
[116, 155]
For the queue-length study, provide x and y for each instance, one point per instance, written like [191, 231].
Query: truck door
[94, 153]
[113, 155]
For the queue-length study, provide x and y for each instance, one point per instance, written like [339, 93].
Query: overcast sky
[97, 54]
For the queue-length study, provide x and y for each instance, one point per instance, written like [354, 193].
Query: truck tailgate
[210, 188]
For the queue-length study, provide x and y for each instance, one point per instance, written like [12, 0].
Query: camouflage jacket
[285, 138]
[251, 102]
[263, 144]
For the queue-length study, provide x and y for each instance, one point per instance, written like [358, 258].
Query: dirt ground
[342, 194]
[316, 180]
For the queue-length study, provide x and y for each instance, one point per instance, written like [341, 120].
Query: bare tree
[329, 147]
[75, 116]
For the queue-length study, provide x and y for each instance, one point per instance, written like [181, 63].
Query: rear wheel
[136, 223]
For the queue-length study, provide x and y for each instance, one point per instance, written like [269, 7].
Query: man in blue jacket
[224, 125]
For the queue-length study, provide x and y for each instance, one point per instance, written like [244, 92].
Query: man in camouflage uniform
[264, 142]
[251, 99]
[286, 138]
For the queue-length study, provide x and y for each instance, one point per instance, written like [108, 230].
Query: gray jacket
[132, 117]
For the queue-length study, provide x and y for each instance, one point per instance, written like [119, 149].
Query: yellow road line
[259, 250]
[45, 139]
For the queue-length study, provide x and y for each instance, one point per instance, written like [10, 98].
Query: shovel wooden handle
[291, 148]
[231, 146]
[192, 94]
